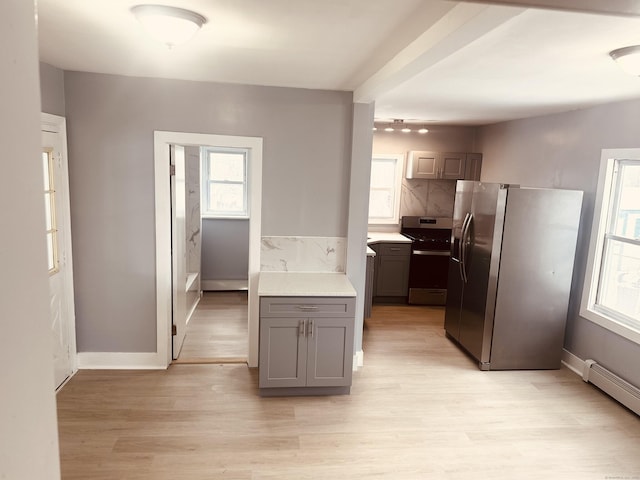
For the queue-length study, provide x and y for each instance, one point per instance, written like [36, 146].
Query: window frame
[50, 194]
[603, 208]
[206, 181]
[399, 159]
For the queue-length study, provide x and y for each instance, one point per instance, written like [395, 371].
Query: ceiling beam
[460, 26]
[610, 7]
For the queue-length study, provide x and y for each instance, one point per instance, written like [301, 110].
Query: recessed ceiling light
[406, 130]
[423, 130]
[169, 25]
[388, 129]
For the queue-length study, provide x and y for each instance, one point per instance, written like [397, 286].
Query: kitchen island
[306, 333]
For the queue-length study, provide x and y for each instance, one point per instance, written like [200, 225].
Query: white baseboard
[358, 360]
[213, 285]
[572, 362]
[119, 361]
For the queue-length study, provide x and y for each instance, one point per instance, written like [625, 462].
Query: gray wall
[563, 151]
[28, 431]
[111, 119]
[441, 138]
[225, 249]
[52, 89]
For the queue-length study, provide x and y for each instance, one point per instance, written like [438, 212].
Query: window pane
[383, 173]
[47, 211]
[226, 167]
[381, 203]
[45, 169]
[626, 214]
[620, 278]
[50, 249]
[226, 198]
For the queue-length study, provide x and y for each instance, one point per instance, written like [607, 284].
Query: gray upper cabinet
[306, 342]
[473, 166]
[440, 165]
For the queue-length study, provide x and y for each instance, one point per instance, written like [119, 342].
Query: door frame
[161, 142]
[58, 125]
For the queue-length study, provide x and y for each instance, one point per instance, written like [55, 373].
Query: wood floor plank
[419, 409]
[217, 331]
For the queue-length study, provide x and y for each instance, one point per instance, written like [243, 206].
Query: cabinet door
[423, 165]
[393, 276]
[283, 352]
[330, 352]
[452, 166]
[473, 166]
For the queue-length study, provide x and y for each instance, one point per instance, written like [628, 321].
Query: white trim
[587, 302]
[120, 361]
[358, 360]
[58, 124]
[572, 362]
[219, 285]
[163, 231]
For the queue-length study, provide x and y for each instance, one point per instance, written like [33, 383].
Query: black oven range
[429, 266]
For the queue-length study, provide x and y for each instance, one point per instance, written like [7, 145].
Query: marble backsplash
[303, 254]
[193, 225]
[433, 198]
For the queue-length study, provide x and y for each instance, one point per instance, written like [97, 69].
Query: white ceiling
[431, 61]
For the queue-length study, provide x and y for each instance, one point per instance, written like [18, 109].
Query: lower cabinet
[392, 270]
[306, 345]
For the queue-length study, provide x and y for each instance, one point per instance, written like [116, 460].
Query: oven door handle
[435, 253]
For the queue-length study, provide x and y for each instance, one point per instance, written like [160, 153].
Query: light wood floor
[217, 331]
[419, 409]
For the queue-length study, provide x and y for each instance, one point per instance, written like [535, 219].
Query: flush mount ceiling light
[628, 58]
[169, 25]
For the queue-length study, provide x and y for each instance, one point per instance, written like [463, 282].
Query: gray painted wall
[225, 249]
[52, 89]
[111, 119]
[563, 151]
[28, 430]
[441, 138]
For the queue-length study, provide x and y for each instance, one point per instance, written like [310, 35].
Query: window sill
[598, 318]
[222, 217]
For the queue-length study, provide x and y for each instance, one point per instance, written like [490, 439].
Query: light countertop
[370, 252]
[377, 237]
[304, 284]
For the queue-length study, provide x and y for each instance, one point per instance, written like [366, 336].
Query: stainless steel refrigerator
[510, 273]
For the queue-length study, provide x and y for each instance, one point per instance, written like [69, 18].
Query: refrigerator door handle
[463, 246]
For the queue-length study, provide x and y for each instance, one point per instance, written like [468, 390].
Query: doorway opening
[217, 250]
[162, 142]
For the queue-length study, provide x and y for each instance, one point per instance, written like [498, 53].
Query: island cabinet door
[330, 352]
[283, 352]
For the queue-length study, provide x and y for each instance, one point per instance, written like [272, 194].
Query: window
[224, 182]
[611, 296]
[385, 187]
[50, 210]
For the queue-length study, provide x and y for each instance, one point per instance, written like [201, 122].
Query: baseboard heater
[608, 382]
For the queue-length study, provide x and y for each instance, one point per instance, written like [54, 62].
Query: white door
[178, 248]
[58, 235]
